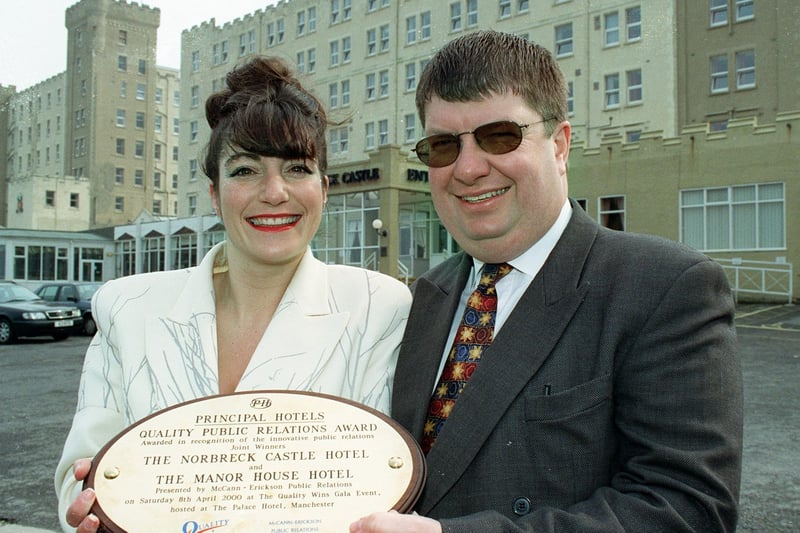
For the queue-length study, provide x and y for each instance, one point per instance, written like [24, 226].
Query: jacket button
[522, 506]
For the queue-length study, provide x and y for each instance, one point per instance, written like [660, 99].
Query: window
[345, 93]
[74, 200]
[301, 22]
[140, 120]
[411, 76]
[119, 176]
[611, 32]
[411, 127]
[523, 6]
[192, 204]
[140, 91]
[633, 23]
[50, 198]
[159, 95]
[195, 96]
[193, 131]
[411, 30]
[122, 63]
[612, 91]
[301, 62]
[174, 153]
[425, 26]
[156, 207]
[745, 69]
[157, 123]
[612, 212]
[338, 140]
[718, 12]
[333, 95]
[370, 88]
[745, 10]
[372, 42]
[719, 73]
[383, 132]
[312, 60]
[193, 170]
[472, 13]
[139, 149]
[157, 152]
[742, 217]
[123, 89]
[334, 57]
[138, 177]
[634, 79]
[142, 66]
[119, 204]
[384, 30]
[196, 61]
[564, 40]
[335, 13]
[120, 118]
[312, 19]
[120, 147]
[455, 16]
[369, 136]
[383, 91]
[504, 9]
[346, 50]
[176, 126]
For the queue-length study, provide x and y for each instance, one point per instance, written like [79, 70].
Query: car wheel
[6, 331]
[89, 327]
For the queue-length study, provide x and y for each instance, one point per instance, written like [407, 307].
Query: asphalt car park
[24, 314]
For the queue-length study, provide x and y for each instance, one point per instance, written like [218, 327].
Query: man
[610, 398]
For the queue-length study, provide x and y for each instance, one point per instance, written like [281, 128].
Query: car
[75, 293]
[24, 314]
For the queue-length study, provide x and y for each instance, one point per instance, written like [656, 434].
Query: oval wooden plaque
[267, 461]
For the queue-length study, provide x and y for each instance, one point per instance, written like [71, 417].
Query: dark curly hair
[265, 110]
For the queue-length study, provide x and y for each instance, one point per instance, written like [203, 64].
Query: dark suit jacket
[611, 399]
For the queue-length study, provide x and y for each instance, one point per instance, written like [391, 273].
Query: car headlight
[37, 315]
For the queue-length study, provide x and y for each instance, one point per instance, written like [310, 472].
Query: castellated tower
[110, 110]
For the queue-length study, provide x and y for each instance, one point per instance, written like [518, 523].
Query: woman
[259, 311]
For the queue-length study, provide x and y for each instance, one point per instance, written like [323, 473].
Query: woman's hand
[78, 513]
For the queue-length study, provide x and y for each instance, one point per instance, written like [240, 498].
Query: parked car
[75, 293]
[24, 314]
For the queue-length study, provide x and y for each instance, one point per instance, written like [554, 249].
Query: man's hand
[394, 522]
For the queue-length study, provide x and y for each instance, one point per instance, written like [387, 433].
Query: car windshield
[16, 293]
[88, 290]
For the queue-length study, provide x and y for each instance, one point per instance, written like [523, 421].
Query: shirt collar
[531, 261]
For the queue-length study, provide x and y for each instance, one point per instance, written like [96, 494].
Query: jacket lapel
[181, 344]
[303, 334]
[522, 345]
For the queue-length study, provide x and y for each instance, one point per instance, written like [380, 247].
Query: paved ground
[36, 414]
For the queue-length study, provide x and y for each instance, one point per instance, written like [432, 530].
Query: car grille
[63, 313]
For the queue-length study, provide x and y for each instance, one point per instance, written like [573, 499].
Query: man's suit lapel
[522, 345]
[435, 302]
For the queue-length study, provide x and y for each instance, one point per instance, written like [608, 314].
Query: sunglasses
[495, 138]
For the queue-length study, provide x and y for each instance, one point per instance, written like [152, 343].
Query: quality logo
[197, 527]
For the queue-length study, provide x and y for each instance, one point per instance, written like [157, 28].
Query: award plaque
[261, 461]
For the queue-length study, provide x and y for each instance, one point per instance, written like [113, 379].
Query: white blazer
[336, 330]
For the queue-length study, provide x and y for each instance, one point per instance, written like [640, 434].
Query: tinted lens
[495, 138]
[438, 150]
[498, 137]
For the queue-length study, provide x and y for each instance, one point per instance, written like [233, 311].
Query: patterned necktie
[474, 334]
